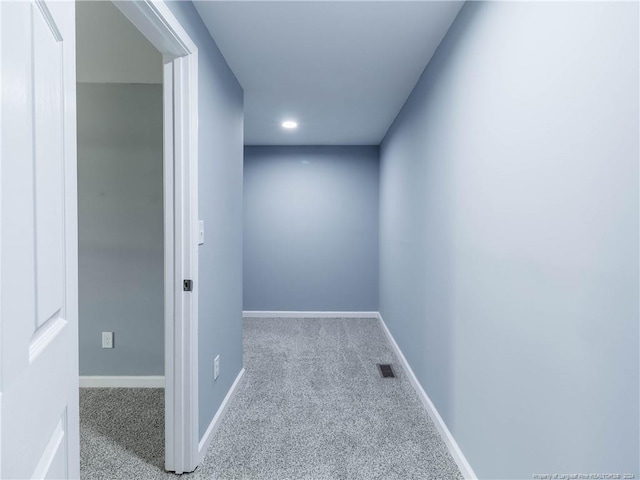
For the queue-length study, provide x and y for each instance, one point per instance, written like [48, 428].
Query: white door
[38, 242]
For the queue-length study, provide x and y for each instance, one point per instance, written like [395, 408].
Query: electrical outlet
[216, 367]
[107, 339]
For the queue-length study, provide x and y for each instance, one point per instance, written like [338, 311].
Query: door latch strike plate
[187, 285]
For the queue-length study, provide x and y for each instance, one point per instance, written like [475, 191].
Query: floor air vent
[386, 371]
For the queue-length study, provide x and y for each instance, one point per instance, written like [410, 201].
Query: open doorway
[120, 241]
[39, 407]
[137, 172]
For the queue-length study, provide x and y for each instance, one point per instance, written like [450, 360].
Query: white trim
[154, 20]
[184, 367]
[307, 314]
[203, 446]
[169, 267]
[447, 437]
[1, 401]
[110, 381]
[2, 158]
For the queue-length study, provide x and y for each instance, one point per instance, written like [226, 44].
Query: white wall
[509, 236]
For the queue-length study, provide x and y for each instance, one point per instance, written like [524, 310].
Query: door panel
[53, 461]
[49, 163]
[38, 246]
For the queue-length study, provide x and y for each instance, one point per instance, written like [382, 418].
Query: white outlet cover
[216, 367]
[107, 339]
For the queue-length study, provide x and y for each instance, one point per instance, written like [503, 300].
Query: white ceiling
[342, 69]
[110, 49]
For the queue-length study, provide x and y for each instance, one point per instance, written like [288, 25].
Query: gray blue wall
[120, 228]
[220, 126]
[311, 228]
[509, 236]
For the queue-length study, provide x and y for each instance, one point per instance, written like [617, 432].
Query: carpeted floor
[312, 406]
[121, 433]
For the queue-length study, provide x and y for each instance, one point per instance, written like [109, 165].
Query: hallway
[312, 405]
[213, 234]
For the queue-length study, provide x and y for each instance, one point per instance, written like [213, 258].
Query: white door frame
[180, 57]
[1, 255]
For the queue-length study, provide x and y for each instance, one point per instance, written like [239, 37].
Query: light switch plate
[200, 232]
[216, 367]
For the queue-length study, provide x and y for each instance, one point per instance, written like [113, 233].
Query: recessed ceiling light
[290, 124]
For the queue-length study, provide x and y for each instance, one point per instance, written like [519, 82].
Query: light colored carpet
[121, 433]
[312, 406]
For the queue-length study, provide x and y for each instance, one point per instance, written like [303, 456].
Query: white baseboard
[447, 437]
[203, 446]
[106, 381]
[306, 314]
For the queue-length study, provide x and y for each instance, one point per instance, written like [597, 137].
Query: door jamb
[180, 101]
[1, 251]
